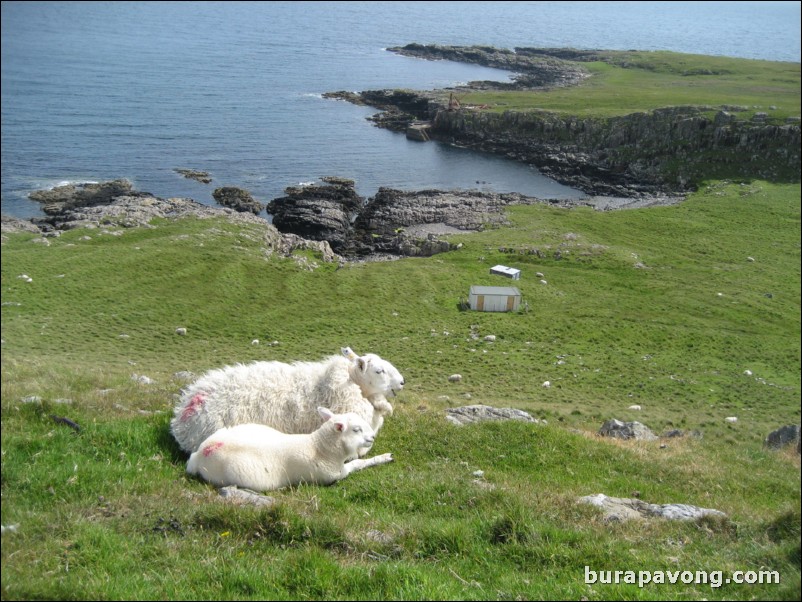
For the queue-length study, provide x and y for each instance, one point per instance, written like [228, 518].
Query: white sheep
[285, 396]
[257, 457]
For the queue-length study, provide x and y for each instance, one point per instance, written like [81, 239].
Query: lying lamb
[284, 396]
[257, 457]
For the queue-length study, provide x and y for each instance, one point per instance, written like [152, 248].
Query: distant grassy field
[628, 82]
[664, 307]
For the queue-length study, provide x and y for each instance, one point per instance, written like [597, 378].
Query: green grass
[109, 513]
[627, 82]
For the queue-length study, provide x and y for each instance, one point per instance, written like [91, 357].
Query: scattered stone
[455, 378]
[479, 413]
[184, 375]
[626, 430]
[181, 331]
[621, 509]
[731, 419]
[245, 496]
[31, 399]
[787, 435]
[142, 379]
[634, 407]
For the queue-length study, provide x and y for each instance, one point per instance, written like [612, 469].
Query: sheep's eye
[357, 429]
[379, 370]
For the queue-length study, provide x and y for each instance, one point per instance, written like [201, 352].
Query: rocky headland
[666, 151]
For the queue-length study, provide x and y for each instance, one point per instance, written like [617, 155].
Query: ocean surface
[94, 91]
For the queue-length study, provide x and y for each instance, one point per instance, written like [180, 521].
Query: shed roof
[505, 291]
[504, 269]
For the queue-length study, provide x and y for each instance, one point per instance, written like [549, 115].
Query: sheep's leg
[359, 464]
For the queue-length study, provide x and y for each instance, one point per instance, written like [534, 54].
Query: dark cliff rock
[318, 212]
[393, 222]
[665, 150]
[409, 223]
[238, 199]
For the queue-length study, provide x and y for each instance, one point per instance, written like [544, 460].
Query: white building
[494, 298]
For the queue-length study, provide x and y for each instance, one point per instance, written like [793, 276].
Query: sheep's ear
[349, 353]
[340, 426]
[362, 363]
[325, 413]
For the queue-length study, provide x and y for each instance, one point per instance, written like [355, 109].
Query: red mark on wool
[211, 448]
[193, 406]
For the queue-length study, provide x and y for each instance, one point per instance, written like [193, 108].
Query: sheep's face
[377, 376]
[353, 431]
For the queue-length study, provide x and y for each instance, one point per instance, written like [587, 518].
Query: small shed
[494, 298]
[503, 270]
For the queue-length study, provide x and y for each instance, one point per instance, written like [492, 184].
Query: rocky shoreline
[329, 217]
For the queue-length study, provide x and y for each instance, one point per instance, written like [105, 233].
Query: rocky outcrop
[318, 212]
[783, 437]
[14, 224]
[193, 174]
[410, 223]
[98, 209]
[61, 198]
[238, 199]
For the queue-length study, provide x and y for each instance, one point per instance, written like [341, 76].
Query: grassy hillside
[663, 307]
[632, 81]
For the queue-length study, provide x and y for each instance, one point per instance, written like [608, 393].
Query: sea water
[94, 91]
